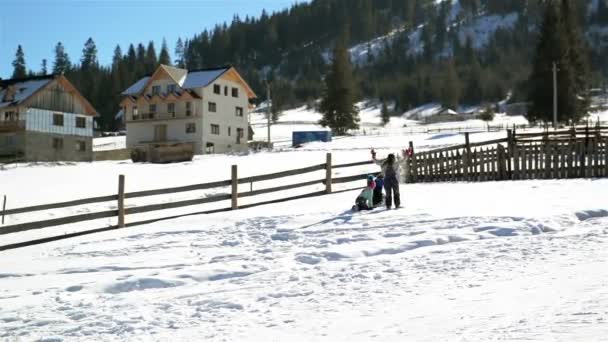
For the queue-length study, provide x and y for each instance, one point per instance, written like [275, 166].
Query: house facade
[44, 118]
[208, 108]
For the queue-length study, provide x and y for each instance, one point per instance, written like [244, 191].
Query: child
[365, 199]
[378, 196]
[390, 171]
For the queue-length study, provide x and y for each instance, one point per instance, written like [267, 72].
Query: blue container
[299, 138]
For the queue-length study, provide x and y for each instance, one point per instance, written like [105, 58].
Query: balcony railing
[160, 116]
[12, 126]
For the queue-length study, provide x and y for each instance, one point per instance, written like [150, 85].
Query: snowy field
[461, 262]
[496, 261]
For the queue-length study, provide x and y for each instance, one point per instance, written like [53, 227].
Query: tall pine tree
[150, 61]
[164, 57]
[19, 69]
[384, 114]
[557, 45]
[577, 58]
[44, 69]
[450, 90]
[338, 102]
[179, 54]
[62, 61]
[89, 56]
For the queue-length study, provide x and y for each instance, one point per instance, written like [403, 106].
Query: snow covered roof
[22, 88]
[202, 78]
[137, 87]
[185, 79]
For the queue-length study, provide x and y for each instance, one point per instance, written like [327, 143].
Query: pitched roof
[15, 92]
[203, 77]
[21, 89]
[199, 78]
[136, 87]
[177, 74]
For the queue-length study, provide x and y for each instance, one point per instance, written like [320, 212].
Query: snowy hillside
[479, 28]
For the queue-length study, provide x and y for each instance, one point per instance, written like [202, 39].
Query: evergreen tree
[150, 61]
[554, 47]
[474, 91]
[450, 90]
[89, 56]
[62, 61]
[384, 114]
[19, 70]
[44, 69]
[577, 58]
[338, 102]
[117, 58]
[164, 57]
[179, 54]
[140, 64]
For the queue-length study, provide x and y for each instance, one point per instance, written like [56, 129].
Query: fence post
[411, 170]
[328, 173]
[467, 160]
[3, 208]
[235, 187]
[121, 201]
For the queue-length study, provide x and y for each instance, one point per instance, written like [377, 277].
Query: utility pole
[554, 96]
[268, 111]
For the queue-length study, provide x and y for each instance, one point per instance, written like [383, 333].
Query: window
[134, 113]
[188, 108]
[229, 130]
[225, 91]
[152, 111]
[212, 107]
[239, 135]
[11, 116]
[171, 88]
[155, 90]
[235, 92]
[191, 127]
[58, 143]
[239, 111]
[209, 148]
[81, 146]
[171, 109]
[215, 129]
[57, 119]
[217, 89]
[81, 122]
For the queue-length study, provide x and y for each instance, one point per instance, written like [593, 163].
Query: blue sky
[39, 24]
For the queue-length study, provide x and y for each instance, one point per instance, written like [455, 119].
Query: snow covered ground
[461, 262]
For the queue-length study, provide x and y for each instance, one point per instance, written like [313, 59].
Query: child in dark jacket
[378, 196]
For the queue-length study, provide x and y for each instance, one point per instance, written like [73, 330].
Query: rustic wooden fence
[573, 153]
[121, 212]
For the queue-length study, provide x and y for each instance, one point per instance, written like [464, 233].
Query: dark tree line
[291, 49]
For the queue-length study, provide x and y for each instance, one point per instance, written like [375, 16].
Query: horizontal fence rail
[121, 211]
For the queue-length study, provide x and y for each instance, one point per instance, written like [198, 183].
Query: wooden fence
[232, 197]
[572, 153]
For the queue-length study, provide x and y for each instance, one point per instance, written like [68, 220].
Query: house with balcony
[44, 118]
[207, 108]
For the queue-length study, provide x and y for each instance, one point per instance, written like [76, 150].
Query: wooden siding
[54, 97]
[38, 120]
